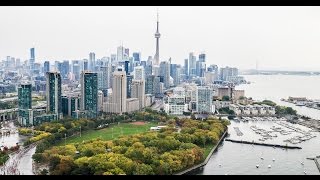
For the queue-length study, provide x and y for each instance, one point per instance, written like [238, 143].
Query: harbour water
[235, 158]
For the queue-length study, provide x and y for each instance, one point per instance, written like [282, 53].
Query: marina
[242, 159]
[257, 118]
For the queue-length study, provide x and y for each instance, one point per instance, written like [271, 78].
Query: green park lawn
[207, 149]
[110, 132]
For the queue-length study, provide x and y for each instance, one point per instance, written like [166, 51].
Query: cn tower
[157, 36]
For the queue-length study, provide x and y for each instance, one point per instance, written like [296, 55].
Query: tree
[242, 97]
[44, 172]
[225, 98]
[143, 169]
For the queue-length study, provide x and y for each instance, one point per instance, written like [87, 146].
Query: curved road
[19, 162]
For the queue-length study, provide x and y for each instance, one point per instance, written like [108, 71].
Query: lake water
[234, 158]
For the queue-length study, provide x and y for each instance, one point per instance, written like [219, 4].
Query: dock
[264, 144]
[239, 133]
[315, 161]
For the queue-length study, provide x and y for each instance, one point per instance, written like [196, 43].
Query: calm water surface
[242, 159]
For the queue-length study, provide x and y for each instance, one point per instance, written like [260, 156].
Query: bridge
[10, 114]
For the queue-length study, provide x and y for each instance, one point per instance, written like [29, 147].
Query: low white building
[246, 110]
[236, 109]
[175, 105]
[132, 104]
[149, 99]
[221, 104]
[270, 109]
[252, 109]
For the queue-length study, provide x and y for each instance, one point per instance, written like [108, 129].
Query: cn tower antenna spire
[157, 36]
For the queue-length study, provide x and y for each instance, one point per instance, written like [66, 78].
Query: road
[19, 163]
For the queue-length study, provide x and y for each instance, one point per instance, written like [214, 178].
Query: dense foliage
[3, 157]
[283, 110]
[226, 110]
[173, 149]
[225, 98]
[266, 102]
[4, 153]
[37, 135]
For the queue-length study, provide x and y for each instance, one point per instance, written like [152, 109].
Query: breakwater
[264, 144]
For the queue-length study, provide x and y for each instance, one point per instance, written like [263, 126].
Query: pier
[316, 161]
[239, 133]
[263, 144]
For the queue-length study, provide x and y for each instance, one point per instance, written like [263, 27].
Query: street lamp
[112, 133]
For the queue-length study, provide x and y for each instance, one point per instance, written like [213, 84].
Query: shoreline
[198, 166]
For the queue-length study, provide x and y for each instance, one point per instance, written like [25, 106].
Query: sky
[263, 37]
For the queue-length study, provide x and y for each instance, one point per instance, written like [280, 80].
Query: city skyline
[277, 38]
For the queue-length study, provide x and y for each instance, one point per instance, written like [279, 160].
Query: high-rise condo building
[139, 73]
[89, 93]
[53, 93]
[165, 73]
[204, 95]
[138, 91]
[25, 117]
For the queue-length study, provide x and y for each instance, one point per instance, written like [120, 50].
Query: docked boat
[300, 103]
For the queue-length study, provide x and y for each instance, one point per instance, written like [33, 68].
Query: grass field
[110, 132]
[207, 149]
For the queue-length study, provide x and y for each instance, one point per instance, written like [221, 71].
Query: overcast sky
[277, 37]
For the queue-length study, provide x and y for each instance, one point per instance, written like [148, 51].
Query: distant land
[277, 72]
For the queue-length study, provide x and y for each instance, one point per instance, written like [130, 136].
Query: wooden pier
[263, 144]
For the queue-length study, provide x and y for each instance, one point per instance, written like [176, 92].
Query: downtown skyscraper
[32, 58]
[118, 100]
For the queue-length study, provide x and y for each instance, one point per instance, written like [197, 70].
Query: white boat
[300, 103]
[305, 172]
[257, 165]
[302, 163]
[273, 159]
[261, 158]
[269, 166]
